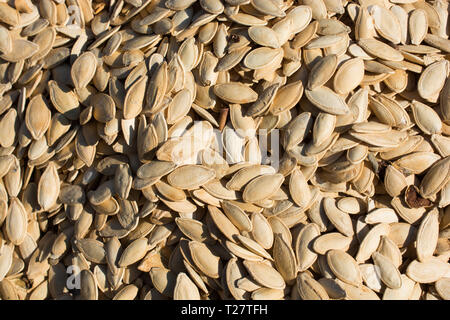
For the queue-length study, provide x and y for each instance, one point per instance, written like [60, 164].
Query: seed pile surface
[224, 149]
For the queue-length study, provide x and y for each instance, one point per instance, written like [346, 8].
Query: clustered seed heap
[224, 149]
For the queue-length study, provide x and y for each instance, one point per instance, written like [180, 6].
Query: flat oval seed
[83, 70]
[309, 288]
[427, 236]
[322, 71]
[303, 245]
[204, 259]
[235, 92]
[344, 267]
[262, 187]
[190, 176]
[340, 219]
[48, 187]
[380, 50]
[185, 289]
[327, 100]
[37, 117]
[265, 275]
[264, 36]
[389, 274]
[260, 57]
[429, 271]
[349, 76]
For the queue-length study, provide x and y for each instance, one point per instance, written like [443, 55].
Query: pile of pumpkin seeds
[224, 149]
